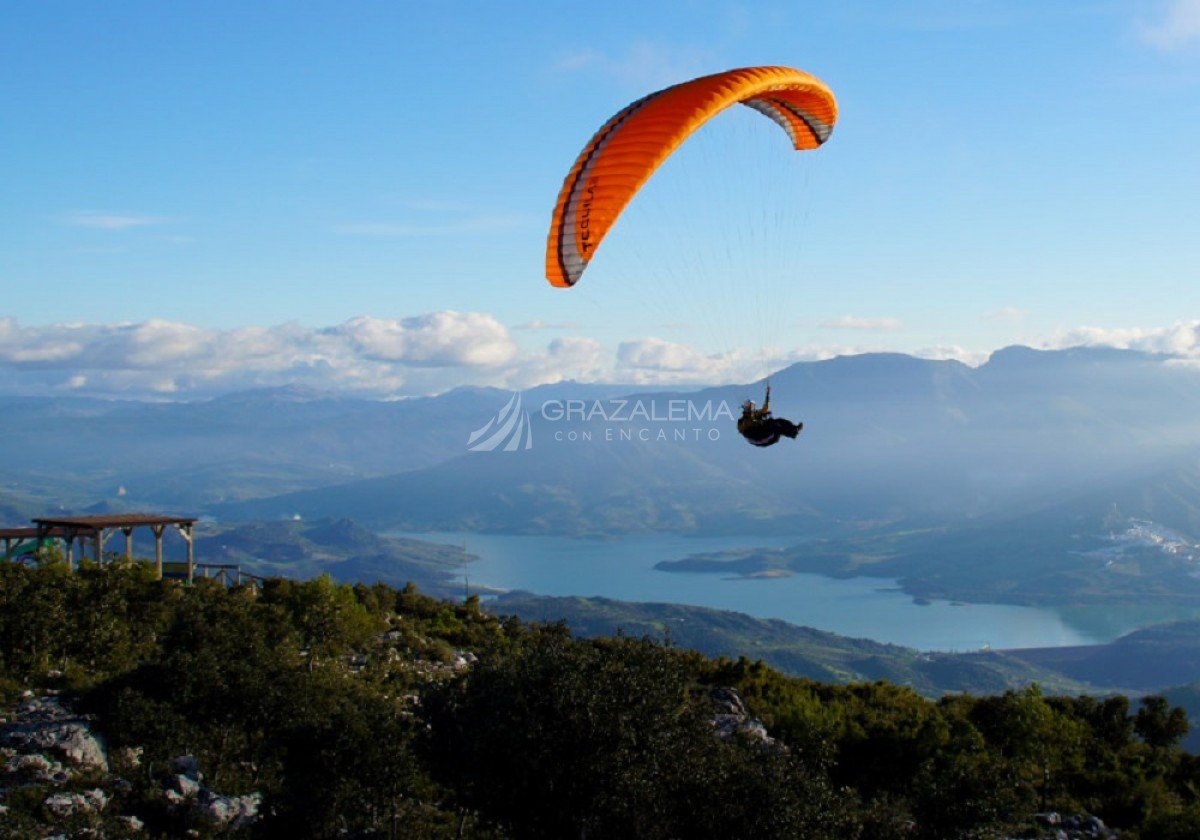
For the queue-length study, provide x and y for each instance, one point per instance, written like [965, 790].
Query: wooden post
[186, 532]
[158, 531]
[70, 541]
[128, 544]
[42, 533]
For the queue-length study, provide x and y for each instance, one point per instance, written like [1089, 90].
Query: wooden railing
[229, 574]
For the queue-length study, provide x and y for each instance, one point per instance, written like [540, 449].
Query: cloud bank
[852, 322]
[1181, 340]
[425, 354]
[375, 356]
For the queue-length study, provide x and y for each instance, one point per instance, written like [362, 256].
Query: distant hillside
[340, 548]
[16, 510]
[632, 487]
[1151, 659]
[239, 446]
[1130, 540]
[1140, 663]
[1038, 477]
[887, 438]
[799, 651]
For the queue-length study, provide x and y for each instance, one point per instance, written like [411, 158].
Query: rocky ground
[55, 766]
[59, 769]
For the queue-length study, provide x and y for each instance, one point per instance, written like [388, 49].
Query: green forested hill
[792, 649]
[312, 709]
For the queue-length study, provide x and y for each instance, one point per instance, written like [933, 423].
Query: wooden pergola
[94, 531]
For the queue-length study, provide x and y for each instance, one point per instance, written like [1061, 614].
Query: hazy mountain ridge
[1005, 482]
[1079, 550]
[887, 437]
[1150, 659]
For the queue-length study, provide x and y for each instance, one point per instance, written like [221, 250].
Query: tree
[1160, 725]
[329, 617]
[610, 738]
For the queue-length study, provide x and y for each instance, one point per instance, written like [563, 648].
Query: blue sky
[209, 195]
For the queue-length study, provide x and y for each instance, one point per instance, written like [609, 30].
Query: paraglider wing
[627, 150]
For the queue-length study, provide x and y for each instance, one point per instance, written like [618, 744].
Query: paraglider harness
[759, 428]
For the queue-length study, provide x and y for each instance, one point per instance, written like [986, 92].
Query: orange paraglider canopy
[627, 150]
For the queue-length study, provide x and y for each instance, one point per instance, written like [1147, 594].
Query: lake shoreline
[880, 608]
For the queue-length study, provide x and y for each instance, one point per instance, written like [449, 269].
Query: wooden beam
[158, 532]
[185, 531]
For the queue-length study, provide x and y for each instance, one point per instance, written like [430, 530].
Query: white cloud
[437, 205]
[580, 59]
[653, 361]
[366, 355]
[112, 221]
[644, 65]
[1006, 313]
[474, 224]
[424, 354]
[851, 322]
[565, 358]
[1178, 27]
[439, 339]
[537, 325]
[1182, 339]
[953, 352]
[663, 356]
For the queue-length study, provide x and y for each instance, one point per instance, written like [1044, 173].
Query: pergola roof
[25, 533]
[120, 520]
[93, 531]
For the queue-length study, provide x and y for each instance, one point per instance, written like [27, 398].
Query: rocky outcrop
[85, 802]
[46, 745]
[47, 725]
[131, 824]
[185, 791]
[35, 769]
[1052, 825]
[231, 812]
[733, 719]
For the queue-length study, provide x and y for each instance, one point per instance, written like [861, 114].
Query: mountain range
[1040, 476]
[887, 438]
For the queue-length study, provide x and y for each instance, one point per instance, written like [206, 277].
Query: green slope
[795, 650]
